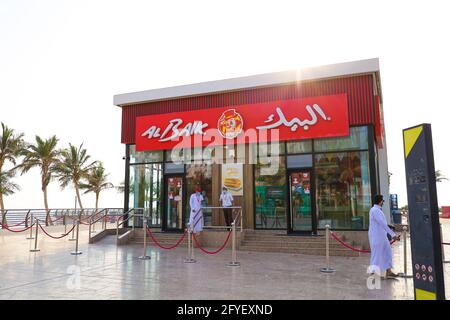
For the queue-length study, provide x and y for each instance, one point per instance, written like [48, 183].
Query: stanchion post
[73, 231]
[90, 228]
[104, 219]
[242, 219]
[93, 225]
[190, 258]
[233, 262]
[76, 252]
[328, 269]
[144, 228]
[36, 236]
[404, 274]
[117, 228]
[65, 223]
[31, 229]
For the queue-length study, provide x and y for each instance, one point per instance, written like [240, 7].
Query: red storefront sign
[282, 120]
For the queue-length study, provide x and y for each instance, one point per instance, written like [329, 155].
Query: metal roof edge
[248, 82]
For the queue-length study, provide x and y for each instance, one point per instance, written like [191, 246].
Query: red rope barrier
[5, 226]
[16, 225]
[91, 216]
[169, 247]
[64, 235]
[446, 243]
[350, 247]
[86, 224]
[346, 245]
[212, 252]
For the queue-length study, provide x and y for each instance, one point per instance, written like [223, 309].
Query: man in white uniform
[381, 252]
[196, 216]
[226, 199]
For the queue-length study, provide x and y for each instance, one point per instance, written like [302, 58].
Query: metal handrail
[102, 217]
[238, 215]
[14, 216]
[234, 221]
[131, 214]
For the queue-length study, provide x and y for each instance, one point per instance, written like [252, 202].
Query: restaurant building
[297, 149]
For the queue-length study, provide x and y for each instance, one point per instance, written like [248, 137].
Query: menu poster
[232, 178]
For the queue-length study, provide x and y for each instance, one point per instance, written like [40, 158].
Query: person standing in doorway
[196, 216]
[381, 252]
[226, 199]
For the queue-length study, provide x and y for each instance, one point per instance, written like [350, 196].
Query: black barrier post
[423, 211]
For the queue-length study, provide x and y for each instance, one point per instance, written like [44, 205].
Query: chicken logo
[230, 124]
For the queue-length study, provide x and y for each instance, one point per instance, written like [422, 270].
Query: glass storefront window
[264, 150]
[343, 195]
[145, 156]
[270, 193]
[273, 149]
[146, 189]
[171, 168]
[304, 146]
[358, 140]
[201, 175]
[174, 155]
[299, 161]
[190, 155]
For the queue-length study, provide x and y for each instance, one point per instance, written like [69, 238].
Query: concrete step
[284, 238]
[287, 244]
[309, 251]
[279, 241]
[168, 244]
[163, 238]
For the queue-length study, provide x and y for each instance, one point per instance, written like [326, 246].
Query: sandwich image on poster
[232, 178]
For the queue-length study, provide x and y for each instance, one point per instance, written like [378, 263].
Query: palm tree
[440, 176]
[74, 168]
[121, 187]
[11, 146]
[96, 182]
[44, 155]
[7, 188]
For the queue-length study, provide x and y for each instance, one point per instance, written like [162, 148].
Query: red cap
[198, 189]
[229, 113]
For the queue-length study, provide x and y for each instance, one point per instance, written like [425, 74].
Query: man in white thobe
[381, 252]
[196, 216]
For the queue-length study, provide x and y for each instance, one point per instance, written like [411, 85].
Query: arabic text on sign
[295, 122]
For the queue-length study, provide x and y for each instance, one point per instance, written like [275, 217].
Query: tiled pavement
[105, 271]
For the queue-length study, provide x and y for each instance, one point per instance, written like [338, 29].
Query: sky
[62, 61]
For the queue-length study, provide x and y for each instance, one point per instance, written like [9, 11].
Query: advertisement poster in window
[232, 178]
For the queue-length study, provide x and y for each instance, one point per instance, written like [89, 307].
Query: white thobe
[196, 216]
[381, 252]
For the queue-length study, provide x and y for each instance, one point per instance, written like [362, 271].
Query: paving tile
[105, 271]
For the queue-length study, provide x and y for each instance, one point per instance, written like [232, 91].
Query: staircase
[271, 241]
[259, 240]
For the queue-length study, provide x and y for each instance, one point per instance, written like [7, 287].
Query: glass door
[174, 203]
[300, 201]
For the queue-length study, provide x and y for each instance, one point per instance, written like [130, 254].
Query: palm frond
[7, 187]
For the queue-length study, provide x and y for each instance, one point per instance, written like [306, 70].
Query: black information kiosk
[426, 247]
